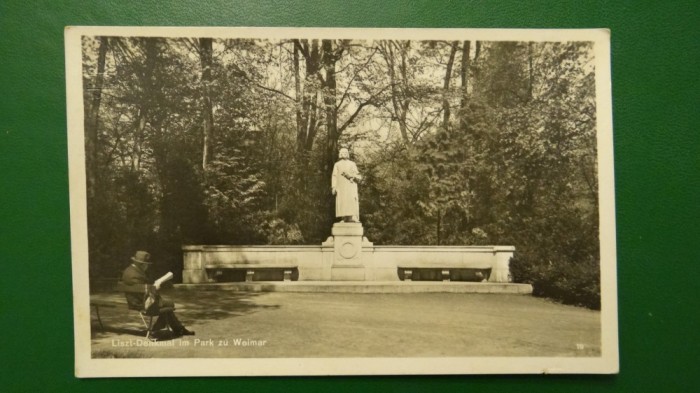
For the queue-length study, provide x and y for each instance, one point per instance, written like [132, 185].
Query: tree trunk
[439, 219]
[138, 140]
[298, 98]
[329, 100]
[205, 56]
[92, 118]
[306, 99]
[148, 87]
[531, 78]
[404, 83]
[446, 87]
[307, 95]
[399, 102]
[464, 73]
[475, 65]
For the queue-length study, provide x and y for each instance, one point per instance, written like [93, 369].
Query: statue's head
[344, 153]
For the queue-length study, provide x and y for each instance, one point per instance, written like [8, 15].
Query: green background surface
[655, 64]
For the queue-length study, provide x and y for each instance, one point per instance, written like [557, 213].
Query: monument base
[349, 262]
[348, 273]
[346, 256]
[364, 287]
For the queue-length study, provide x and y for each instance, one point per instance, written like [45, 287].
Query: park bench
[250, 269]
[446, 270]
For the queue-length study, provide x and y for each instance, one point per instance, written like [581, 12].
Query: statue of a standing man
[344, 187]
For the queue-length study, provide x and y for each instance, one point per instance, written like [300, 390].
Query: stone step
[364, 287]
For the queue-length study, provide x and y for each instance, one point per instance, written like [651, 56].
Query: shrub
[576, 283]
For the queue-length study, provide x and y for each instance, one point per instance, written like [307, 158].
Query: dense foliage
[221, 141]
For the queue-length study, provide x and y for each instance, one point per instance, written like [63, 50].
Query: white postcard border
[85, 366]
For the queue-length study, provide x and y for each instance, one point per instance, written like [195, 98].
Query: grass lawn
[354, 325]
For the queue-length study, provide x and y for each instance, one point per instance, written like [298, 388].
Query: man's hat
[142, 257]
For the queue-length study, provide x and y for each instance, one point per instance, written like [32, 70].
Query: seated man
[134, 276]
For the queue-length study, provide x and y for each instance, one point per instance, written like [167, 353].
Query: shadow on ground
[190, 308]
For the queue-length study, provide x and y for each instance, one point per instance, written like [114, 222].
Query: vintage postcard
[322, 201]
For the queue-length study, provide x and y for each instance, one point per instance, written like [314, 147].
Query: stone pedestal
[500, 271]
[348, 262]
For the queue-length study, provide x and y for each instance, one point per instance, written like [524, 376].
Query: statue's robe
[347, 202]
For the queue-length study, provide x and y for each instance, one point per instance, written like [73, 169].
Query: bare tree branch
[272, 90]
[370, 101]
[347, 89]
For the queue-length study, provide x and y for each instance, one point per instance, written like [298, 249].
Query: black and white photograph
[327, 201]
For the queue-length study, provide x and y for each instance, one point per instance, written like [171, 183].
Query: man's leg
[168, 318]
[163, 317]
[177, 326]
[161, 322]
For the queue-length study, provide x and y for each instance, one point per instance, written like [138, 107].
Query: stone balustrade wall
[316, 263]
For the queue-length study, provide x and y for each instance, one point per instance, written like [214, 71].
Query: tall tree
[208, 134]
[147, 100]
[307, 93]
[464, 75]
[92, 118]
[446, 86]
[331, 54]
[395, 54]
